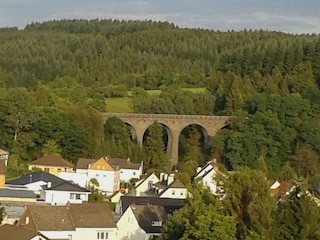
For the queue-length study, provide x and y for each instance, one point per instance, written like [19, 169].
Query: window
[173, 192]
[75, 196]
[46, 169]
[102, 235]
[156, 223]
[134, 173]
[27, 220]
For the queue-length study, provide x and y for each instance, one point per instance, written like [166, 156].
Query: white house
[176, 190]
[206, 175]
[145, 184]
[141, 222]
[33, 181]
[72, 221]
[107, 175]
[128, 170]
[64, 192]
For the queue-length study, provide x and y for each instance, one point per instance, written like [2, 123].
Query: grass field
[119, 105]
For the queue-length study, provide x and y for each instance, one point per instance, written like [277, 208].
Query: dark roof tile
[34, 177]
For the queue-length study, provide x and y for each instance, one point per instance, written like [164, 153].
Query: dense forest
[56, 78]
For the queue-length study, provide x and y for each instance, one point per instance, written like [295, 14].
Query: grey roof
[66, 186]
[124, 163]
[35, 177]
[14, 210]
[169, 204]
[146, 215]
[4, 192]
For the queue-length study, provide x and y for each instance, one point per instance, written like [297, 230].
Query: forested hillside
[56, 76]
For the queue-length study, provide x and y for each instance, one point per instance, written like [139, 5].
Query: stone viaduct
[173, 124]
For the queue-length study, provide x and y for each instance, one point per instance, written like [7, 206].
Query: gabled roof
[69, 217]
[7, 231]
[50, 160]
[169, 204]
[83, 163]
[35, 177]
[124, 163]
[103, 164]
[65, 186]
[175, 184]
[203, 171]
[3, 152]
[149, 217]
[50, 218]
[145, 178]
[92, 215]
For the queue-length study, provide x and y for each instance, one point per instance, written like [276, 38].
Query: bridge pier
[174, 124]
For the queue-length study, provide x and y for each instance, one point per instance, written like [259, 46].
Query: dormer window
[156, 223]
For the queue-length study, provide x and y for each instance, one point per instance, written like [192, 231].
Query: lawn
[118, 105]
[121, 105]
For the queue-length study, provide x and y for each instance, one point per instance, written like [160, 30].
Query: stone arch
[174, 123]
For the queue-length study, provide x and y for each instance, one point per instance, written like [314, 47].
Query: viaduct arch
[174, 125]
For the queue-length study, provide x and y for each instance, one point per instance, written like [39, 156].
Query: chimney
[170, 179]
[215, 165]
[162, 177]
[49, 184]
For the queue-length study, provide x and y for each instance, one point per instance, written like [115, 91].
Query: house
[279, 189]
[51, 164]
[107, 175]
[175, 189]
[115, 198]
[33, 181]
[9, 232]
[128, 170]
[73, 221]
[3, 164]
[141, 222]
[60, 193]
[167, 187]
[169, 204]
[145, 184]
[206, 175]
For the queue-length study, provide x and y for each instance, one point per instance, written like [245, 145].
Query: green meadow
[123, 104]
